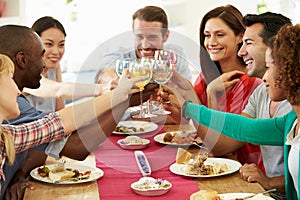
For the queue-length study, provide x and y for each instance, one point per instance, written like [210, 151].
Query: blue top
[250, 130]
[46, 105]
[28, 114]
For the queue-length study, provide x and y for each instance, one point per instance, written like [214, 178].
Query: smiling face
[29, 63]
[54, 43]
[275, 91]
[253, 51]
[220, 41]
[148, 37]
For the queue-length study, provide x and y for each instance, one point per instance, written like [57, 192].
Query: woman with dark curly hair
[282, 81]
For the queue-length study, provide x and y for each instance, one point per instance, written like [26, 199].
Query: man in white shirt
[150, 29]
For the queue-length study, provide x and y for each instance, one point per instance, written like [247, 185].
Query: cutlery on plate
[72, 179]
[200, 146]
[252, 195]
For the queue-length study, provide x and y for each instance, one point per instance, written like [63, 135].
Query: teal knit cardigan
[271, 131]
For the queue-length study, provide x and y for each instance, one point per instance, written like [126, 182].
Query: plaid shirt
[32, 134]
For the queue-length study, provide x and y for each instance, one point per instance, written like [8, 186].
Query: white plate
[230, 196]
[147, 126]
[96, 173]
[143, 144]
[160, 139]
[152, 191]
[180, 169]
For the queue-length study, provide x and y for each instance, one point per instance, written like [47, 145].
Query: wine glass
[139, 68]
[122, 64]
[166, 54]
[162, 71]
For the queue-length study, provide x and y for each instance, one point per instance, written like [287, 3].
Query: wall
[94, 22]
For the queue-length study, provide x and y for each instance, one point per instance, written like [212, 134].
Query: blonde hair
[7, 66]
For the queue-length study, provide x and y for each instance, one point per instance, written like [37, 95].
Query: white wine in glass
[162, 71]
[141, 68]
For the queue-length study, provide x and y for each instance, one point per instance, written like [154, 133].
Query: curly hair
[285, 50]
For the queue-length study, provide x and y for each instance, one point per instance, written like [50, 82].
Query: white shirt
[293, 157]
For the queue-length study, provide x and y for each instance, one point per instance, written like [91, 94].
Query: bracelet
[183, 109]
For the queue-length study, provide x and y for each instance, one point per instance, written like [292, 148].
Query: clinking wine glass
[166, 54]
[162, 71]
[142, 67]
[122, 64]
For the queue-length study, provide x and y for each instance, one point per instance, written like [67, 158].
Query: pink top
[234, 101]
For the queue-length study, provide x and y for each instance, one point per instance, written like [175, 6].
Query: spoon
[252, 195]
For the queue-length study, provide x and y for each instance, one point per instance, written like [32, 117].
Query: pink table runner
[120, 169]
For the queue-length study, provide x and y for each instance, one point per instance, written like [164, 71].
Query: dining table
[120, 170]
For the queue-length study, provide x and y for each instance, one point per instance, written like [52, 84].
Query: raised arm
[60, 103]
[237, 126]
[220, 86]
[66, 90]
[102, 117]
[78, 115]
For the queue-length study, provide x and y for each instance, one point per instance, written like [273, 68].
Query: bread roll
[183, 156]
[204, 195]
[220, 168]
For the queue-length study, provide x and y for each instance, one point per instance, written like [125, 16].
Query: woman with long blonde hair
[53, 126]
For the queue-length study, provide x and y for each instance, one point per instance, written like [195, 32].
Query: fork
[74, 179]
[200, 146]
[62, 163]
[252, 195]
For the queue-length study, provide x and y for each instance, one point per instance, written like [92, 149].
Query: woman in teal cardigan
[282, 81]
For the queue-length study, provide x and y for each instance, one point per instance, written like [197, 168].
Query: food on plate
[60, 175]
[181, 137]
[205, 195]
[43, 171]
[259, 197]
[183, 156]
[133, 140]
[126, 129]
[199, 167]
[149, 183]
[213, 195]
[59, 172]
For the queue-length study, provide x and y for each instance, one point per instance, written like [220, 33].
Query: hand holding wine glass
[141, 68]
[168, 59]
[161, 73]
